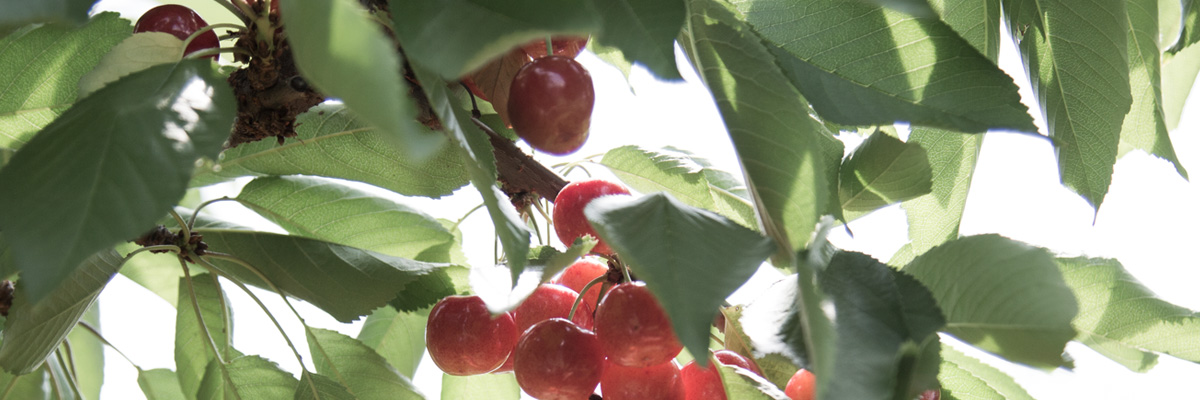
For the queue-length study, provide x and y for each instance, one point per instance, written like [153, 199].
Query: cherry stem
[185, 230]
[464, 217]
[88, 327]
[212, 344]
[208, 52]
[549, 47]
[192, 221]
[233, 10]
[278, 327]
[474, 107]
[601, 278]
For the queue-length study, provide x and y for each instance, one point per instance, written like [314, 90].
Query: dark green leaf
[34, 330]
[42, 66]
[144, 134]
[490, 386]
[1145, 126]
[881, 171]
[456, 37]
[783, 149]
[344, 53]
[963, 377]
[691, 259]
[399, 337]
[1124, 320]
[864, 65]
[28, 386]
[246, 378]
[1189, 28]
[366, 374]
[331, 211]
[680, 175]
[1079, 70]
[977, 22]
[320, 387]
[742, 384]
[1002, 296]
[193, 350]
[160, 384]
[645, 31]
[334, 143]
[19, 12]
[916, 8]
[135, 53]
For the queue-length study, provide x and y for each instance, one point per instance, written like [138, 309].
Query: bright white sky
[1147, 221]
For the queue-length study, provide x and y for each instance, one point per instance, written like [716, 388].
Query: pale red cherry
[931, 394]
[802, 386]
[180, 22]
[557, 360]
[464, 338]
[656, 382]
[551, 301]
[634, 329]
[580, 274]
[550, 104]
[729, 357]
[569, 221]
[702, 383]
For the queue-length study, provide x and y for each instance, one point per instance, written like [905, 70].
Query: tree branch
[520, 174]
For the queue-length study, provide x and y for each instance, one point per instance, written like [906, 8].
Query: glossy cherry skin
[181, 22]
[729, 357]
[464, 339]
[656, 382]
[569, 221]
[702, 383]
[802, 386]
[566, 46]
[634, 328]
[550, 104]
[557, 360]
[551, 301]
[580, 274]
[508, 363]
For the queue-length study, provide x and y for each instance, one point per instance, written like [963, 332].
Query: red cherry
[181, 22]
[634, 329]
[464, 339]
[656, 382]
[729, 357]
[508, 363]
[551, 301]
[566, 46]
[550, 104]
[931, 394]
[569, 221]
[702, 383]
[557, 360]
[580, 274]
[802, 386]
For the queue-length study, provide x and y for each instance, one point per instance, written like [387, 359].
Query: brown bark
[520, 174]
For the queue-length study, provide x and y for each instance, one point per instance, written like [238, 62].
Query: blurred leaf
[247, 377]
[18, 12]
[135, 53]
[490, 386]
[649, 171]
[34, 330]
[1145, 126]
[193, 351]
[742, 384]
[42, 65]
[29, 386]
[456, 37]
[613, 56]
[916, 8]
[399, 337]
[160, 384]
[87, 354]
[366, 374]
[645, 31]
[62, 384]
[344, 53]
[334, 143]
[545, 262]
[331, 211]
[691, 259]
[881, 171]
[1078, 67]
[495, 78]
[320, 387]
[1178, 76]
[865, 65]
[158, 273]
[963, 377]
[144, 134]
[1002, 296]
[1124, 320]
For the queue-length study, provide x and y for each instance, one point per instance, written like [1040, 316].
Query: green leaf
[344, 281]
[977, 22]
[144, 134]
[881, 171]
[28, 386]
[544, 263]
[680, 175]
[246, 377]
[475, 150]
[1002, 296]
[742, 384]
[343, 52]
[783, 149]
[613, 56]
[1124, 320]
[963, 377]
[934, 218]
[883, 319]
[645, 31]
[34, 330]
[160, 384]
[399, 337]
[864, 65]
[42, 66]
[332, 142]
[62, 384]
[135, 53]
[320, 387]
[1178, 76]
[193, 351]
[916, 8]
[331, 211]
[1145, 126]
[87, 355]
[158, 273]
[456, 37]
[1189, 30]
[691, 259]
[18, 12]
[1079, 70]
[490, 386]
[365, 373]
